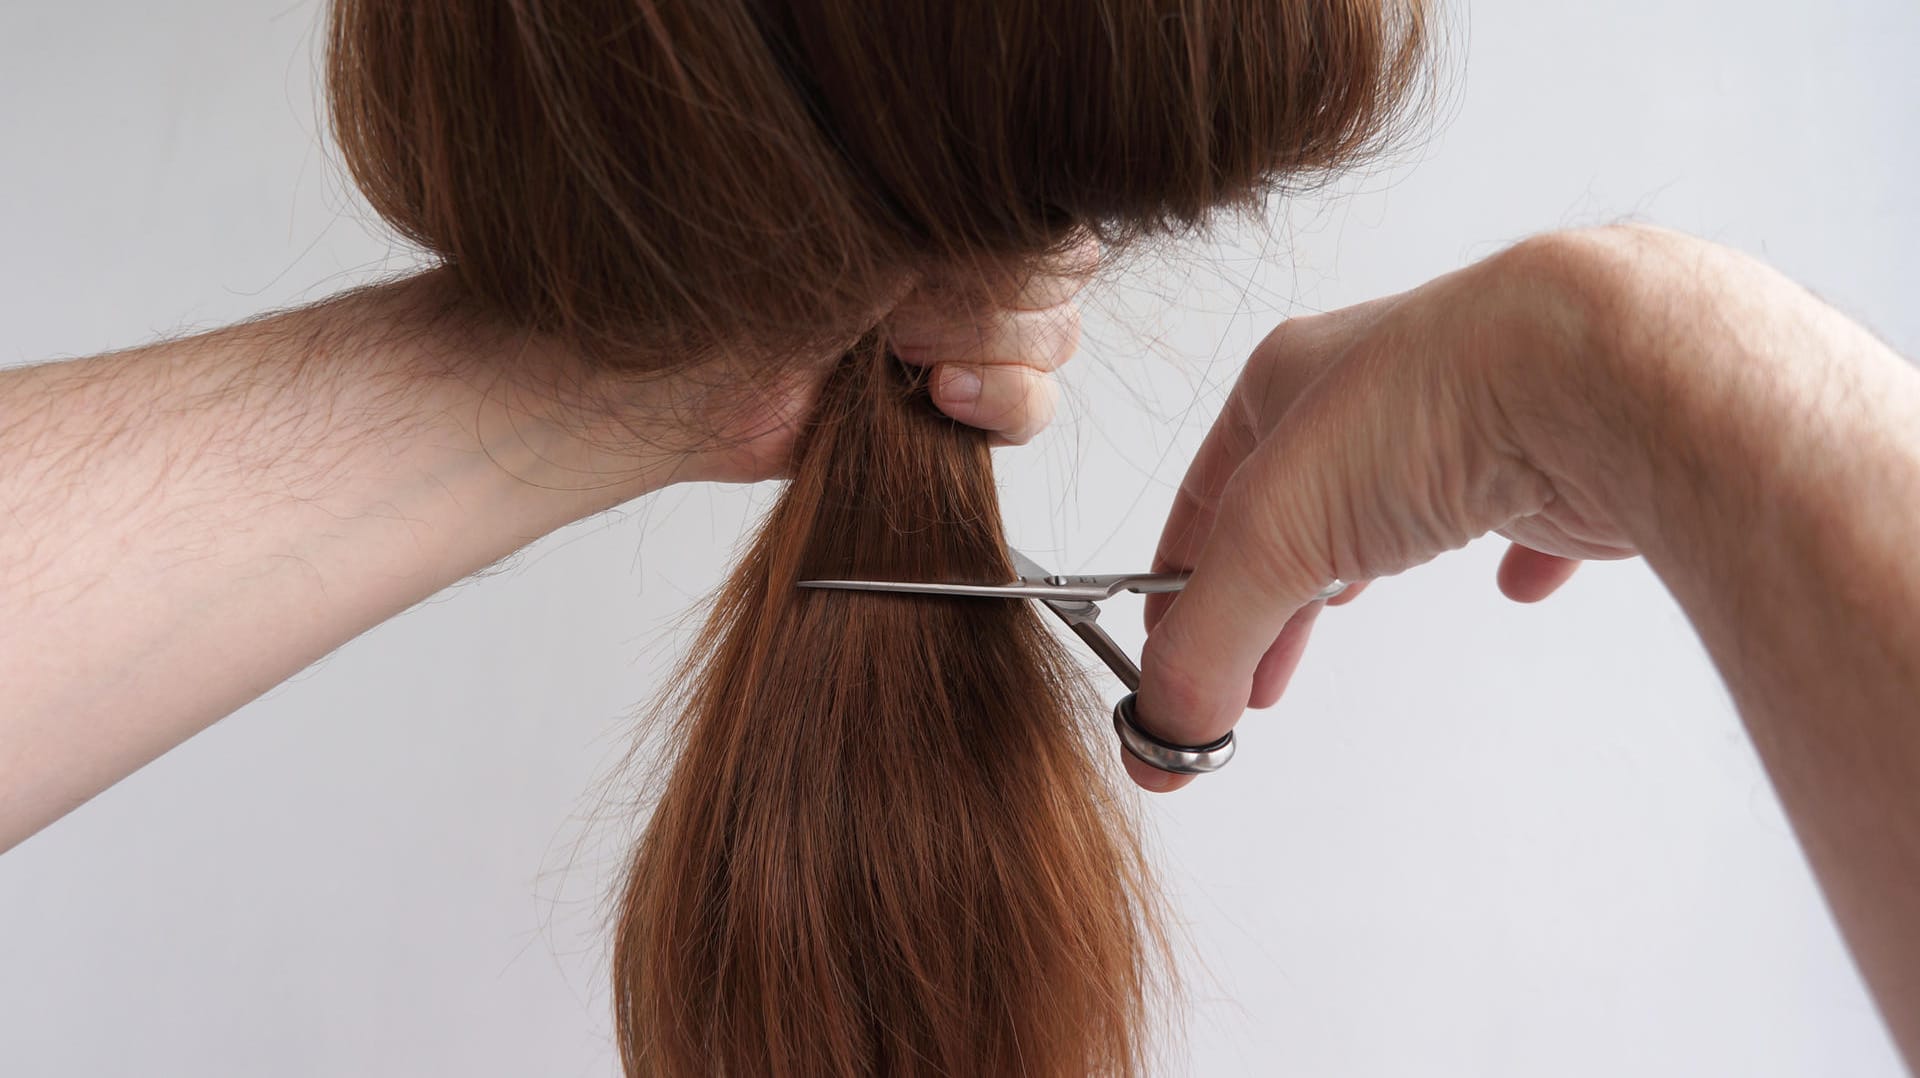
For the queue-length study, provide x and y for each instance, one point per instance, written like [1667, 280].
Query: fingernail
[959, 385]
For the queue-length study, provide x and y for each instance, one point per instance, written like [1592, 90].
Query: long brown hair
[889, 843]
[885, 846]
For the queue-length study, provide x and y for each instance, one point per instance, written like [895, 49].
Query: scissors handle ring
[1165, 755]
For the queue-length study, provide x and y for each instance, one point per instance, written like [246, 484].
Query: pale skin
[1596, 395]
[186, 525]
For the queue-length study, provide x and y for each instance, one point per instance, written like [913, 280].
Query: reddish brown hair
[677, 176]
[886, 846]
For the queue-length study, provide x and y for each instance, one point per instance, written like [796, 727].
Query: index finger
[1287, 361]
[1195, 504]
[1062, 277]
[1033, 285]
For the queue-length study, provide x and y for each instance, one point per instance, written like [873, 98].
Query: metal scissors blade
[1075, 601]
[1071, 598]
[1083, 615]
[1034, 583]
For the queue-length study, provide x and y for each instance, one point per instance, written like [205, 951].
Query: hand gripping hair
[890, 842]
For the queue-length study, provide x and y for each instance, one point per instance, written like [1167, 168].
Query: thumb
[1259, 567]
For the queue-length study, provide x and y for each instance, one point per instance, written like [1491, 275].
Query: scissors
[1075, 600]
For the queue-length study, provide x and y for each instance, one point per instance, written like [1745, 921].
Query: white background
[1475, 839]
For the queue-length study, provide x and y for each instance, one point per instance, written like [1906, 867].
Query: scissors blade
[1083, 617]
[1016, 590]
[1072, 600]
[1027, 567]
[1034, 583]
[1073, 609]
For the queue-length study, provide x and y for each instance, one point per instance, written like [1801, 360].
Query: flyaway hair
[890, 841]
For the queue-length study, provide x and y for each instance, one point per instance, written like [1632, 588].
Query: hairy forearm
[1779, 505]
[184, 526]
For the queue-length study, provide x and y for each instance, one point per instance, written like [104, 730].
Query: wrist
[1702, 400]
[554, 447]
[1624, 385]
[1556, 353]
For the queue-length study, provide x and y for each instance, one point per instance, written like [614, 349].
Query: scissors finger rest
[1165, 755]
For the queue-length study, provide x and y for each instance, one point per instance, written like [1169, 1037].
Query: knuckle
[1201, 493]
[1286, 339]
[1043, 398]
[1008, 395]
[1033, 412]
[1060, 278]
[1082, 260]
[1067, 335]
[1580, 260]
[1039, 338]
[1285, 361]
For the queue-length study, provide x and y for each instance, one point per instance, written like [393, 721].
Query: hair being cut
[890, 843]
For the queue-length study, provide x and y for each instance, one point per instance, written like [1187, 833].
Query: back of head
[678, 176]
[889, 844]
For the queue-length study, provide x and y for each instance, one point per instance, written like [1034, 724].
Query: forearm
[1781, 511]
[186, 525]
